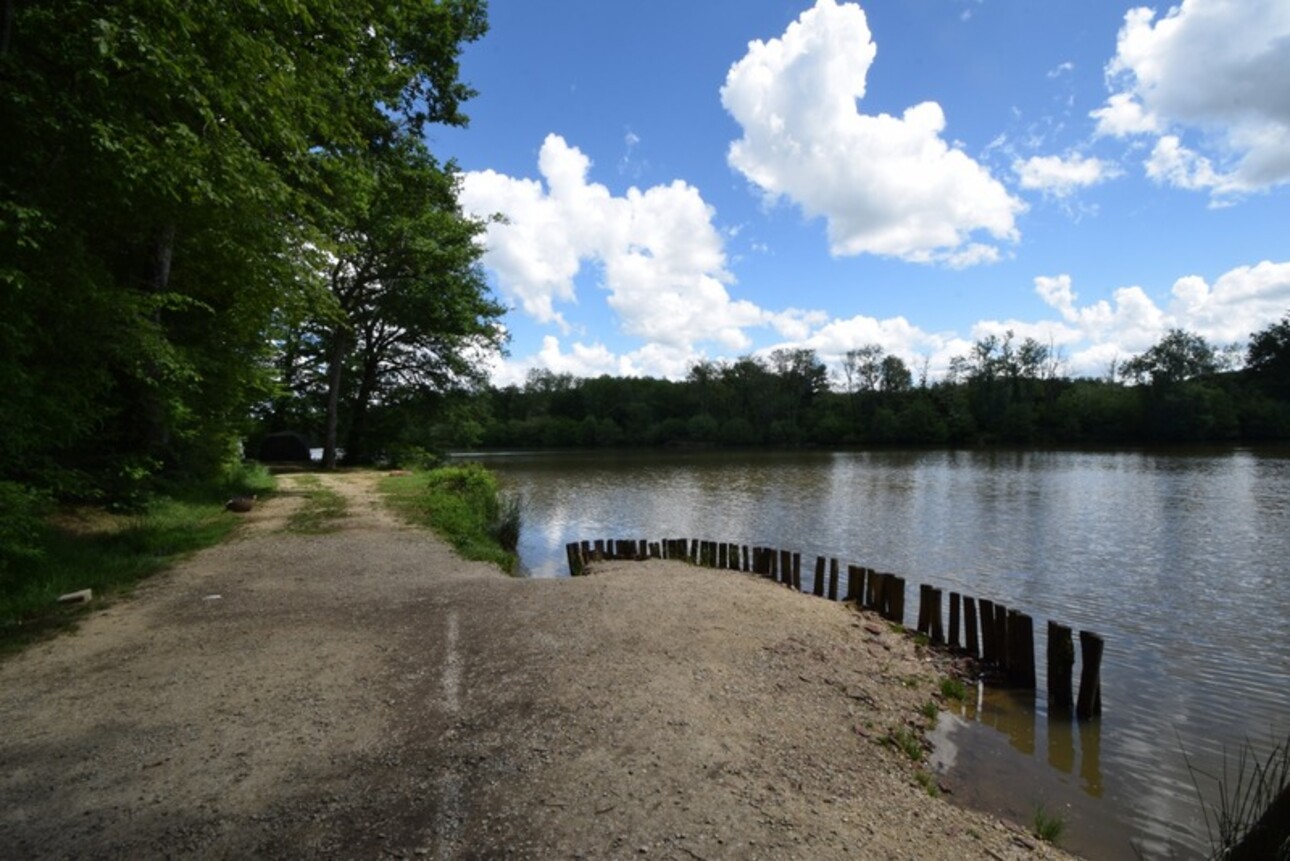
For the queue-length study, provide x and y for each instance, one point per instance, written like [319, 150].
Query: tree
[158, 197]
[1268, 355]
[411, 312]
[894, 375]
[1178, 356]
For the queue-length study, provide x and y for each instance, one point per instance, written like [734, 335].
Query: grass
[927, 781]
[930, 710]
[953, 689]
[109, 553]
[321, 510]
[1048, 827]
[906, 741]
[1245, 801]
[463, 505]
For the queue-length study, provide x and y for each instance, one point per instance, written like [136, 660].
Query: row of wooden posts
[1006, 641]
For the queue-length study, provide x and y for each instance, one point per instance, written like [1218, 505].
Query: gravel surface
[368, 694]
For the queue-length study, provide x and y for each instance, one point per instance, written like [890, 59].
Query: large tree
[411, 312]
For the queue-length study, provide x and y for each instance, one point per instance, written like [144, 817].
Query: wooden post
[772, 565]
[896, 599]
[747, 569]
[1022, 630]
[834, 571]
[723, 555]
[1061, 660]
[989, 653]
[969, 617]
[855, 583]
[938, 632]
[871, 589]
[1001, 636]
[600, 549]
[694, 551]
[924, 610]
[817, 587]
[953, 641]
[1090, 678]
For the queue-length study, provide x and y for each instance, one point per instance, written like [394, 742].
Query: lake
[1179, 558]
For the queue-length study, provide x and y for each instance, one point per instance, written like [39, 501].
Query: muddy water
[1178, 558]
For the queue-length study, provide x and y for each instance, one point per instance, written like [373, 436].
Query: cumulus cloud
[1060, 176]
[1239, 302]
[886, 185]
[1219, 68]
[662, 259]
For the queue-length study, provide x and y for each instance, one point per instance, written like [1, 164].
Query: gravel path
[367, 694]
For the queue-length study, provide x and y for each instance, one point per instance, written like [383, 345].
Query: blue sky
[689, 180]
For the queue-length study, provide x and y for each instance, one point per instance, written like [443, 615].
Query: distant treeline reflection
[1181, 390]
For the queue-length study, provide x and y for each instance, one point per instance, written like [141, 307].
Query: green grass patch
[1048, 827]
[465, 506]
[930, 710]
[907, 741]
[90, 548]
[953, 689]
[321, 511]
[927, 781]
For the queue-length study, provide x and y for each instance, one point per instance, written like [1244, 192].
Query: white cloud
[1240, 301]
[662, 259]
[1060, 176]
[886, 185]
[1218, 67]
[1061, 69]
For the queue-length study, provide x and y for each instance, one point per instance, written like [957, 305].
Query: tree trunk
[335, 365]
[155, 420]
[356, 439]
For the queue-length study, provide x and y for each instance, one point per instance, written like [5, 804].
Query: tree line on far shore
[1004, 391]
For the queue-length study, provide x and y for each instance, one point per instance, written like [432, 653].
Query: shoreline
[367, 692]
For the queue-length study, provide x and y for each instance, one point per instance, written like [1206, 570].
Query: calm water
[1181, 560]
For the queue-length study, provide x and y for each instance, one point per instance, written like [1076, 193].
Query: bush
[464, 506]
[22, 510]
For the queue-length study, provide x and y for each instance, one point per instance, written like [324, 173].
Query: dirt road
[367, 694]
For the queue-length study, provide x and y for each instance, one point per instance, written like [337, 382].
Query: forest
[1181, 390]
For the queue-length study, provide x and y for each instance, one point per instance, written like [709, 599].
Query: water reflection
[1169, 555]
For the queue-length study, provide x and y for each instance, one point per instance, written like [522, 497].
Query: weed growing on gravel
[953, 689]
[1048, 827]
[322, 509]
[927, 781]
[1249, 818]
[906, 741]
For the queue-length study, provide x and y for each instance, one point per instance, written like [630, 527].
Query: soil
[368, 694]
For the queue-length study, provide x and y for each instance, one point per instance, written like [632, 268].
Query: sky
[683, 180]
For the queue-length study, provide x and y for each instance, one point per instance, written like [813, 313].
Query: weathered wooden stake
[969, 617]
[834, 571]
[855, 583]
[989, 652]
[817, 586]
[938, 632]
[896, 599]
[924, 610]
[797, 571]
[953, 641]
[1001, 637]
[747, 569]
[1022, 629]
[723, 555]
[1061, 661]
[1090, 678]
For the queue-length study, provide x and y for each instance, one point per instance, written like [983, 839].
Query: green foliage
[464, 505]
[21, 525]
[953, 689]
[1180, 355]
[1048, 827]
[90, 548]
[163, 211]
[1248, 817]
[906, 741]
[927, 781]
[930, 710]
